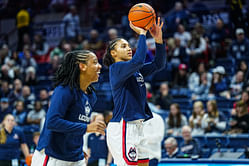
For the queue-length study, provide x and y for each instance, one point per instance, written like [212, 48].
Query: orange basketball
[142, 15]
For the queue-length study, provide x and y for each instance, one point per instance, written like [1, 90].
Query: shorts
[41, 159]
[126, 142]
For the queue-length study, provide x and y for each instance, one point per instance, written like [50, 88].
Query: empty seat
[238, 141]
[217, 141]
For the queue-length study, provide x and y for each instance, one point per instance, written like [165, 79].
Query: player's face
[9, 121]
[122, 51]
[93, 68]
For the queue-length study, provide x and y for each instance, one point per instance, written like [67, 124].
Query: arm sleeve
[158, 63]
[60, 103]
[121, 71]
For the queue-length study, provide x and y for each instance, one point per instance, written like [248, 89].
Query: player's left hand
[156, 31]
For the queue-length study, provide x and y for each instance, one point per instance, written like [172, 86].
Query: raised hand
[96, 127]
[138, 30]
[156, 31]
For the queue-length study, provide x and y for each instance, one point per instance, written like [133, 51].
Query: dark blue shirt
[98, 147]
[66, 123]
[11, 149]
[127, 83]
[191, 148]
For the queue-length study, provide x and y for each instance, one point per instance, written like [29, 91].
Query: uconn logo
[85, 117]
[140, 79]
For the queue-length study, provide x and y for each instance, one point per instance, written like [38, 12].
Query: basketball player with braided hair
[68, 116]
[125, 130]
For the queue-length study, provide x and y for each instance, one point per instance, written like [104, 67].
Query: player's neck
[84, 84]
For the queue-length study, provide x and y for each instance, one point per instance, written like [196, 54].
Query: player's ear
[113, 53]
[82, 66]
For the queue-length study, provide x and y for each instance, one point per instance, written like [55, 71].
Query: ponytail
[108, 60]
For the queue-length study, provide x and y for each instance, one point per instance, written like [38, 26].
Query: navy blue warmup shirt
[127, 83]
[11, 149]
[66, 123]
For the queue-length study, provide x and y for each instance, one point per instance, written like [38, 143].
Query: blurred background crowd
[202, 92]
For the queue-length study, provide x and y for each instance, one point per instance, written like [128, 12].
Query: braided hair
[68, 72]
[108, 59]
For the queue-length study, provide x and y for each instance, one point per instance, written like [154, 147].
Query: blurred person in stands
[219, 86]
[72, 24]
[94, 42]
[195, 77]
[201, 91]
[195, 119]
[112, 34]
[16, 92]
[190, 146]
[195, 50]
[20, 113]
[214, 121]
[217, 38]
[239, 48]
[97, 147]
[163, 99]
[244, 98]
[30, 76]
[175, 121]
[5, 90]
[171, 146]
[243, 66]
[5, 73]
[36, 115]
[60, 49]
[178, 16]
[44, 98]
[27, 97]
[11, 141]
[239, 123]
[236, 85]
[23, 26]
[4, 108]
[182, 35]
[181, 77]
[39, 47]
[27, 59]
[154, 134]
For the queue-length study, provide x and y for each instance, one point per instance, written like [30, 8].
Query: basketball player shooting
[125, 130]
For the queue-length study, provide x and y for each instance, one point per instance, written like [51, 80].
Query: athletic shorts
[41, 159]
[126, 142]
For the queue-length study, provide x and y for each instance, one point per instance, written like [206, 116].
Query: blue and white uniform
[125, 131]
[65, 124]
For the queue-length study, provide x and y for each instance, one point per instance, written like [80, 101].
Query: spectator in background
[27, 59]
[44, 98]
[217, 40]
[190, 146]
[23, 26]
[175, 121]
[219, 85]
[16, 93]
[97, 146]
[171, 146]
[5, 90]
[72, 24]
[154, 133]
[195, 77]
[195, 119]
[30, 76]
[163, 99]
[5, 74]
[213, 121]
[20, 113]
[244, 98]
[112, 34]
[178, 16]
[243, 66]
[182, 35]
[237, 84]
[28, 97]
[201, 91]
[11, 140]
[94, 43]
[181, 77]
[179, 54]
[239, 123]
[61, 49]
[4, 108]
[239, 48]
[39, 47]
[36, 115]
[195, 49]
